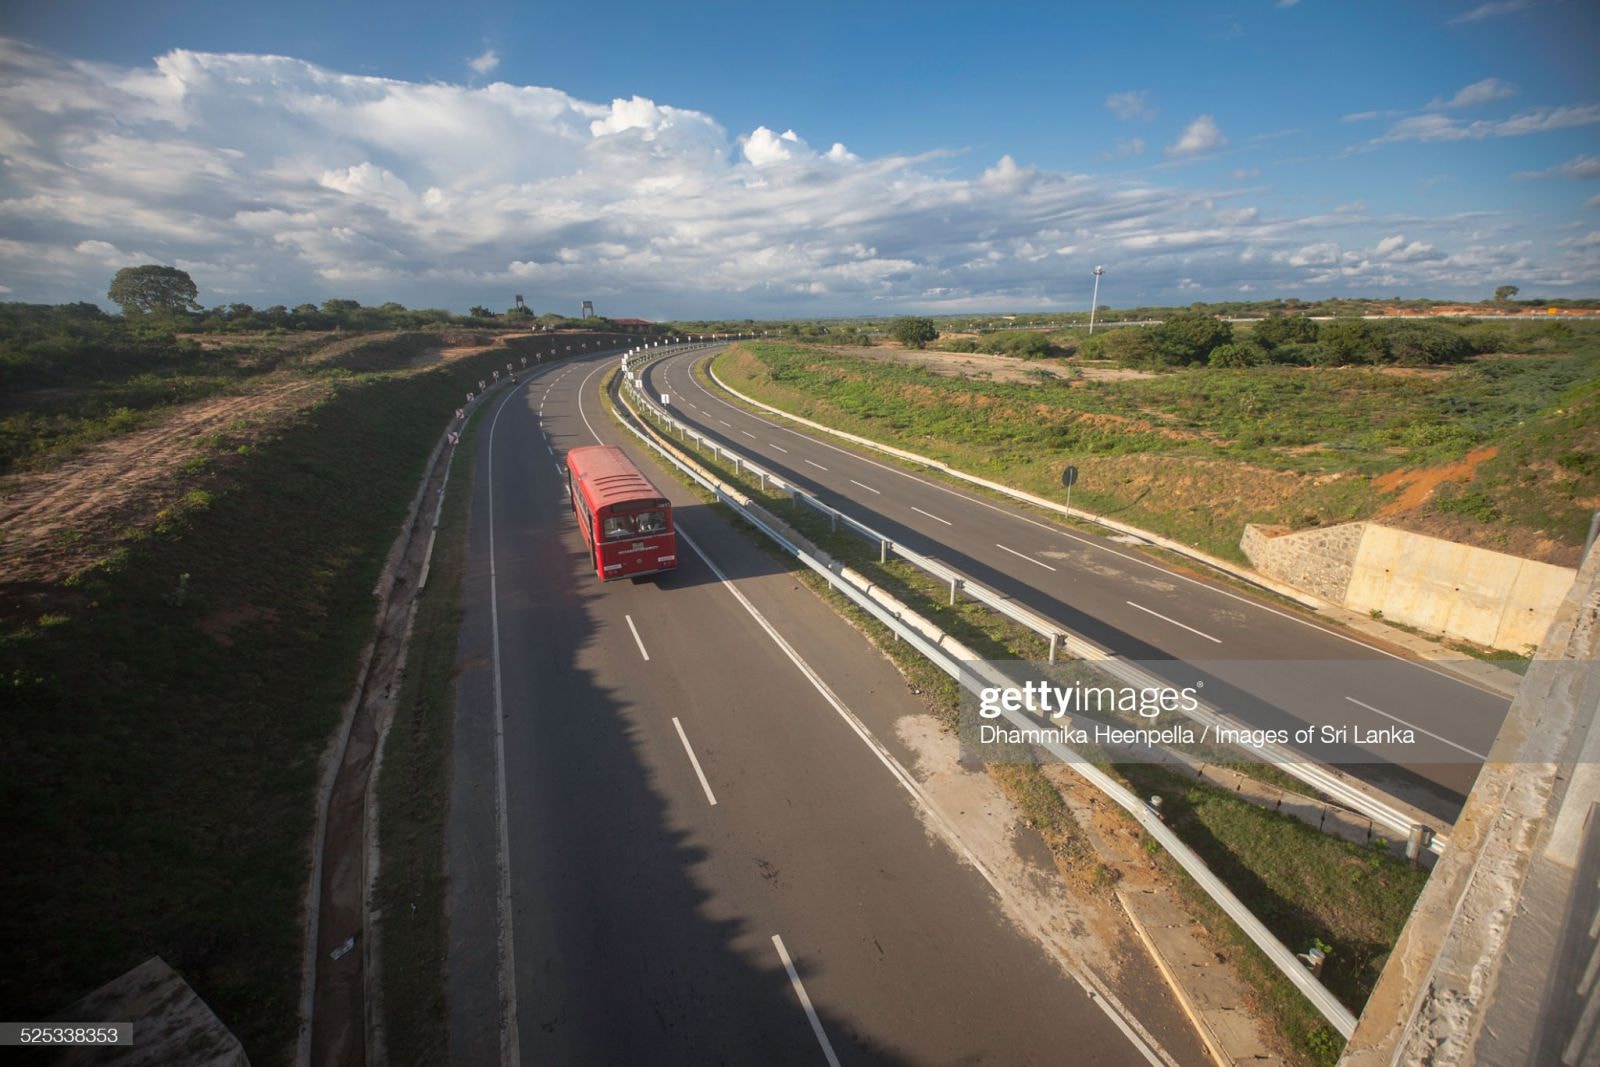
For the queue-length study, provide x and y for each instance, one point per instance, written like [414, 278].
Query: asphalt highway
[669, 783]
[1267, 666]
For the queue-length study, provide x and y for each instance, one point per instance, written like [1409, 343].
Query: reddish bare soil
[1414, 486]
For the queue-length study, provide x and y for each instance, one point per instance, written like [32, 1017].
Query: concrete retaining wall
[1486, 597]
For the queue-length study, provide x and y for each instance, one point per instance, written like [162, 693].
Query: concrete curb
[1493, 678]
[1185, 1002]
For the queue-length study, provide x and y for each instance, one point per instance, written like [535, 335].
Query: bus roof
[611, 477]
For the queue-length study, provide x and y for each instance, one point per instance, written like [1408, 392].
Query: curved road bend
[652, 925]
[1266, 666]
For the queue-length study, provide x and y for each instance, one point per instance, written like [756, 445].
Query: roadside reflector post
[833, 519]
[763, 480]
[883, 551]
[1055, 640]
[955, 587]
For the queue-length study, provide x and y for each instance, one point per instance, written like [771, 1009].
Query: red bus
[625, 520]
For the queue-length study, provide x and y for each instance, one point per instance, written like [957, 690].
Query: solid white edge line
[1174, 622]
[1063, 531]
[931, 515]
[1021, 555]
[1147, 1044]
[867, 487]
[689, 750]
[510, 1038]
[1414, 726]
[805, 1001]
[636, 638]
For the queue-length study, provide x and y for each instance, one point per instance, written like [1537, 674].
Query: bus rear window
[634, 524]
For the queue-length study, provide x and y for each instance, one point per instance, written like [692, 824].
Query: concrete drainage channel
[338, 1008]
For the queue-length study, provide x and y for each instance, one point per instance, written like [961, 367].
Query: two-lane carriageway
[681, 830]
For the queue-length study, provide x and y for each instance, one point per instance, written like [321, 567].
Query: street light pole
[1094, 302]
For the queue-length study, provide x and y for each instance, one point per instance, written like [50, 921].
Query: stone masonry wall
[1318, 561]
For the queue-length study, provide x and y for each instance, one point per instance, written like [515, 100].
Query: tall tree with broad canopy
[152, 288]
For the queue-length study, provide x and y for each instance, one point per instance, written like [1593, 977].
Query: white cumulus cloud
[275, 180]
[485, 62]
[1200, 137]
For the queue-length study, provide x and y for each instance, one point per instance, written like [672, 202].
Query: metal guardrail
[974, 676]
[1336, 787]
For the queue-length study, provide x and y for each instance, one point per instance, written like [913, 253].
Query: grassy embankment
[66, 391]
[1195, 454]
[166, 709]
[1302, 884]
[414, 788]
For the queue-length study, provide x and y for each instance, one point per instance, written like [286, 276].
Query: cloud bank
[272, 180]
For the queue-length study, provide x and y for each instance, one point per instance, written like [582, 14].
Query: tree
[1504, 293]
[478, 311]
[914, 332]
[152, 288]
[1189, 338]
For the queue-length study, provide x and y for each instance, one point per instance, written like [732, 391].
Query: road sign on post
[1069, 478]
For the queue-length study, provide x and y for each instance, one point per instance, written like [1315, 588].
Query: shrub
[1352, 341]
[1023, 344]
[1419, 343]
[1132, 347]
[1297, 355]
[1236, 354]
[1286, 329]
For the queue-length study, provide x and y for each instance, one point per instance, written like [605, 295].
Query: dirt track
[55, 523]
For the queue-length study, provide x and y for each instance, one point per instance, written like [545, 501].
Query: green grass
[1305, 886]
[414, 789]
[163, 738]
[1196, 454]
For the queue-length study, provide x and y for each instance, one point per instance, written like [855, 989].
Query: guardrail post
[1417, 840]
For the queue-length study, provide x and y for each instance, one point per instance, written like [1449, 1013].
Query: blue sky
[642, 155]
